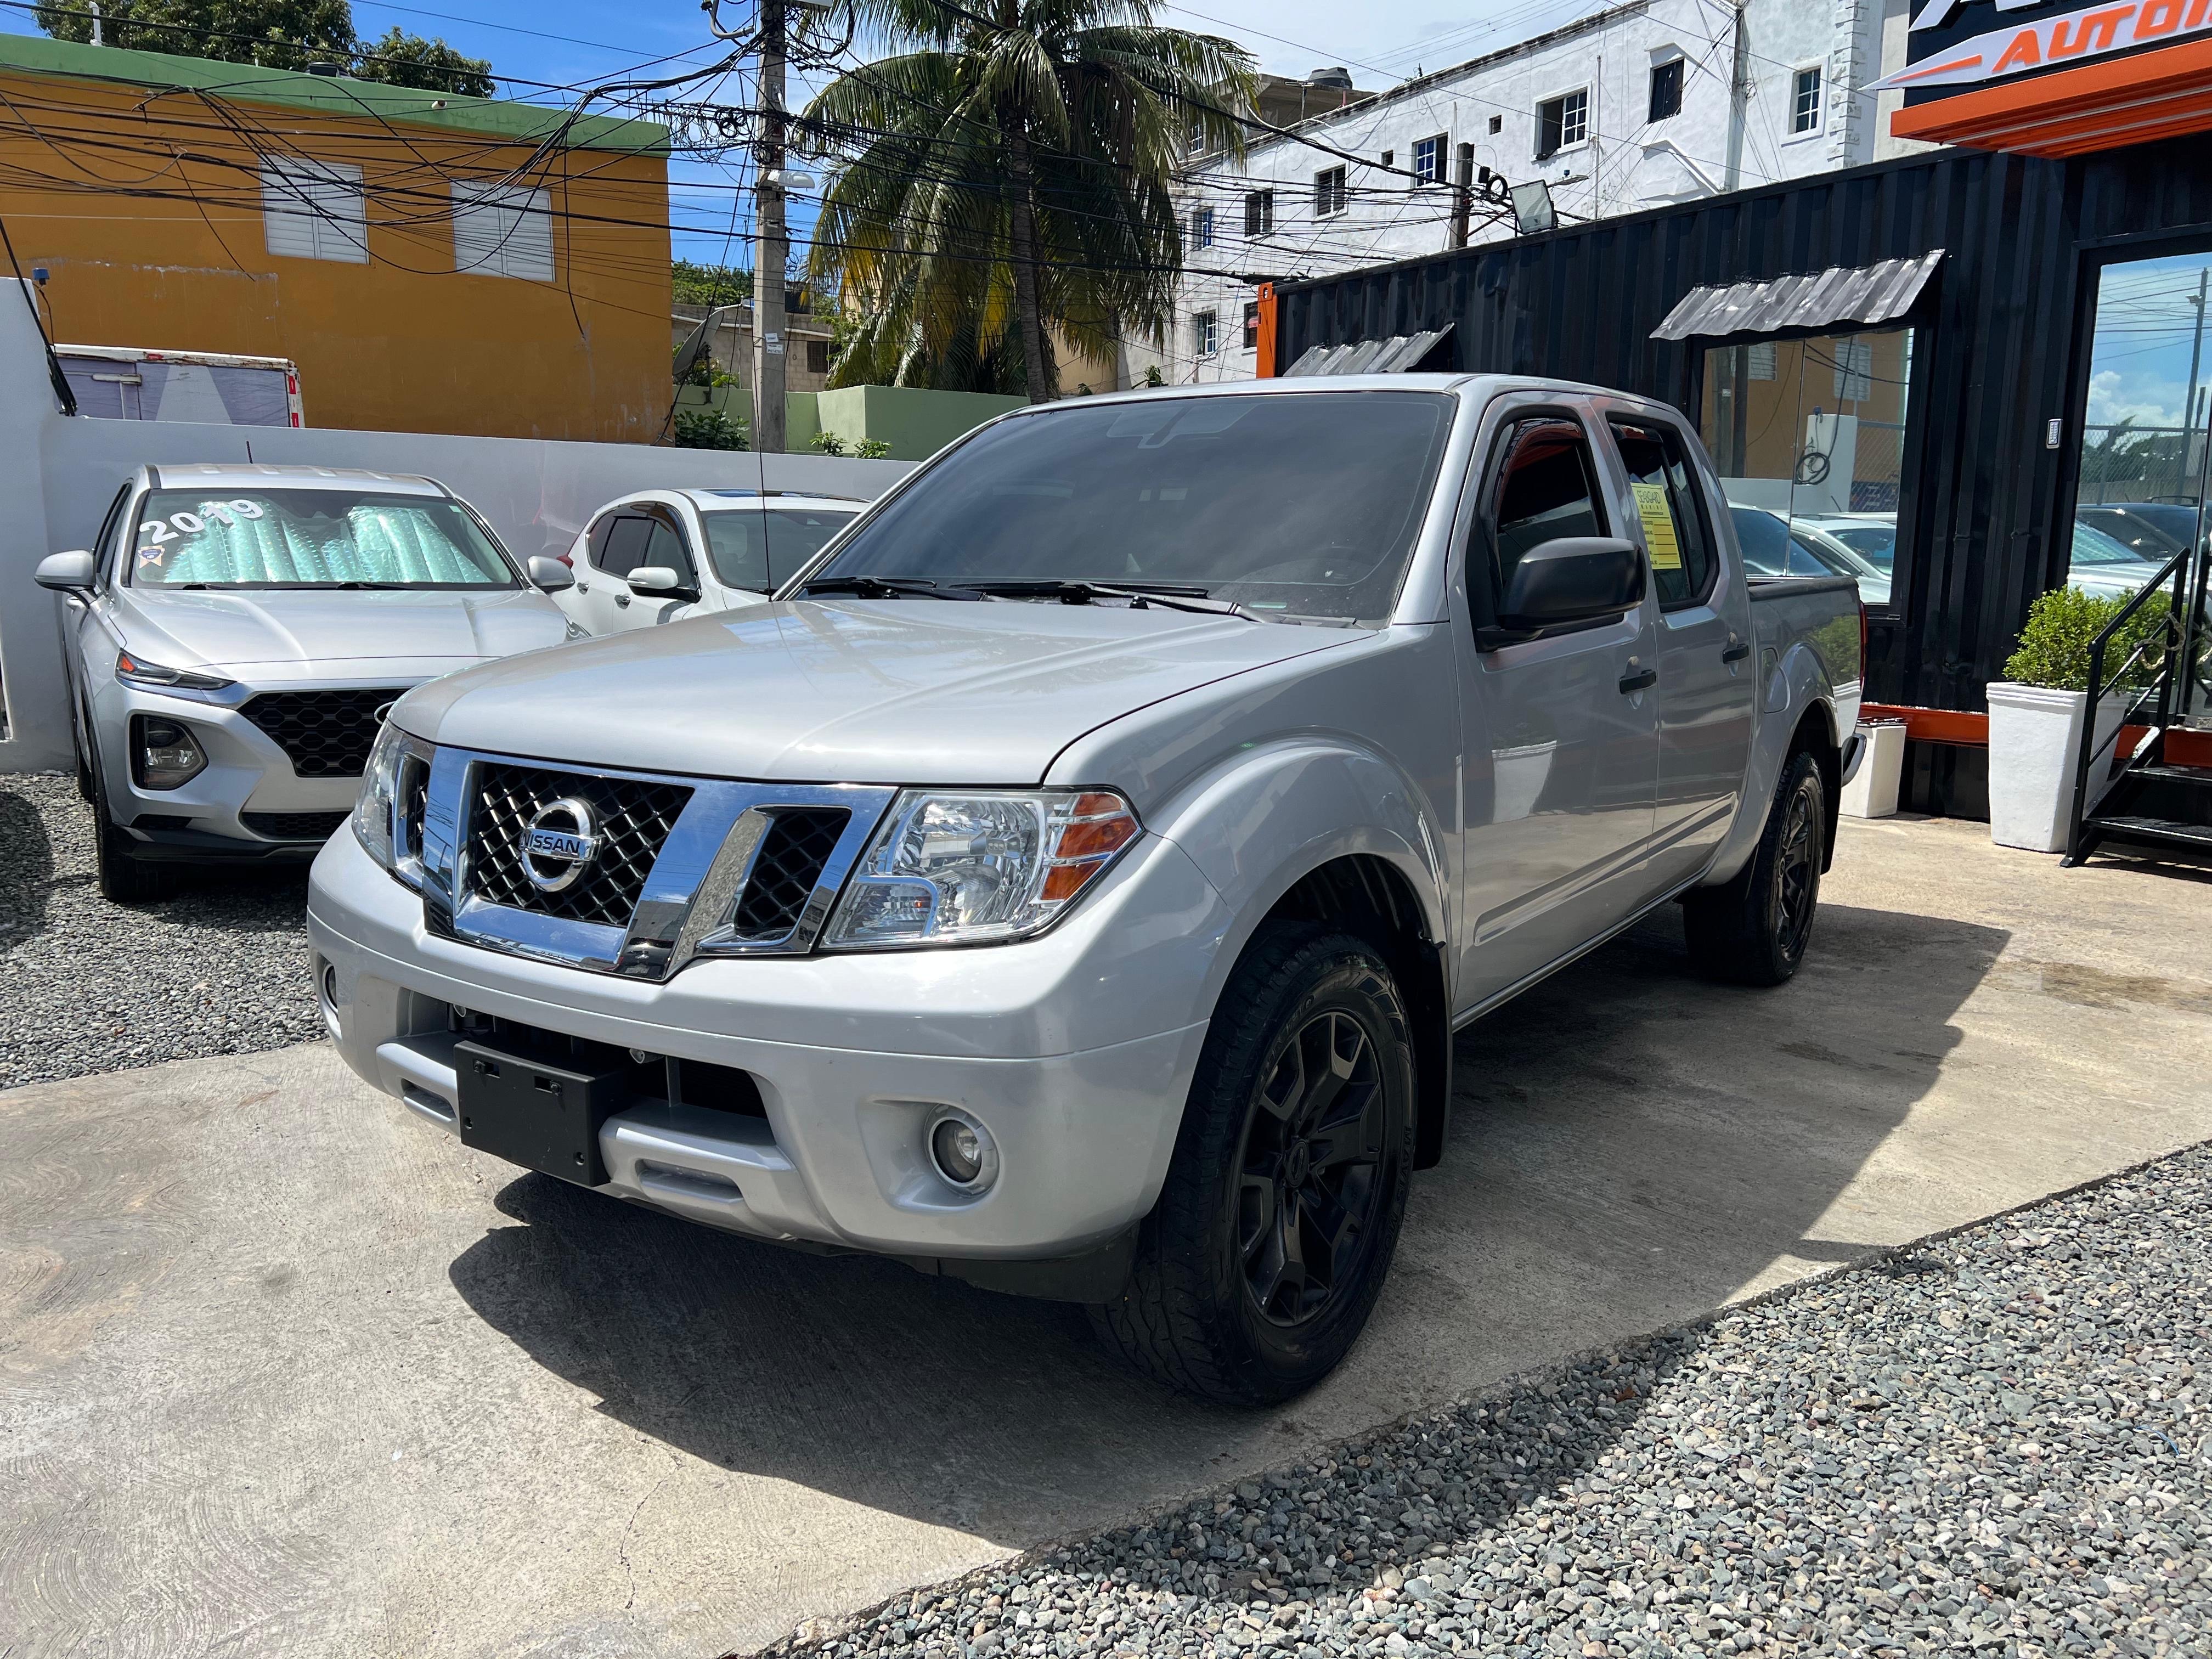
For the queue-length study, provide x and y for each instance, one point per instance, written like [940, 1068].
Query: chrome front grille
[677, 868]
[796, 845]
[633, 819]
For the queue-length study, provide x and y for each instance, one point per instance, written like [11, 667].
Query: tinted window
[1875, 543]
[663, 547]
[1764, 540]
[1808, 558]
[1546, 488]
[311, 538]
[624, 548]
[766, 549]
[1304, 503]
[1670, 516]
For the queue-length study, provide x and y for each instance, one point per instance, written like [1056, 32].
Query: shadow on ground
[1631, 1147]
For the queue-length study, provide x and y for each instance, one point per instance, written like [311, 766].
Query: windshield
[311, 538]
[1303, 505]
[2094, 546]
[1875, 543]
[764, 548]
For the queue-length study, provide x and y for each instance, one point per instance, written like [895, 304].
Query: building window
[1251, 326]
[1259, 212]
[315, 211]
[1205, 333]
[1201, 227]
[1805, 101]
[1810, 438]
[817, 356]
[1390, 156]
[1497, 125]
[1560, 122]
[1329, 193]
[1429, 159]
[502, 232]
[1666, 90]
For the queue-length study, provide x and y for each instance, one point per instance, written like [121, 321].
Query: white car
[658, 555]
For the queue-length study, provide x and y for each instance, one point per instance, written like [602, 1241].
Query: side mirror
[659, 578]
[68, 573]
[1575, 579]
[550, 574]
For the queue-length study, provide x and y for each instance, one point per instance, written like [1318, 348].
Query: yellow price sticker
[1658, 515]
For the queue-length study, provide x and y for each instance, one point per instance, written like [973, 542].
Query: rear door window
[1670, 517]
[623, 549]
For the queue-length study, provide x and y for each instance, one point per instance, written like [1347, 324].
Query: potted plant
[2037, 711]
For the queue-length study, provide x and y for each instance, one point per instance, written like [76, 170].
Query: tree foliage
[275, 34]
[2063, 623]
[1005, 173]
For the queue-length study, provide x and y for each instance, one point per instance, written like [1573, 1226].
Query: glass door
[2144, 453]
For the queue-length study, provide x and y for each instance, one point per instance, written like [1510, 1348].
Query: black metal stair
[2150, 800]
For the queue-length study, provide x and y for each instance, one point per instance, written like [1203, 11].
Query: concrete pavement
[282, 1371]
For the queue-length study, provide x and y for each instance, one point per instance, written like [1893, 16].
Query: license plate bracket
[531, 1112]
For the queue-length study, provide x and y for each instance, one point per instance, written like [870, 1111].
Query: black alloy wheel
[1310, 1171]
[1257, 1269]
[1797, 875]
[1753, 929]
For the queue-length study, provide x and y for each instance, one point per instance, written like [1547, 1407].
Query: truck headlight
[971, 866]
[380, 789]
[164, 754]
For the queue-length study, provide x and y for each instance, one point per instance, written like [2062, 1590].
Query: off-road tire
[1754, 929]
[123, 878]
[1190, 1315]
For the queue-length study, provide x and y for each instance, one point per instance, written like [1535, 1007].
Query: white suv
[657, 555]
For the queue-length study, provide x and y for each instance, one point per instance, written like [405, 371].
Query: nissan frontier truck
[1072, 880]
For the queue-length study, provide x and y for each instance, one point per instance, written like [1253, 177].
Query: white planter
[2035, 741]
[1872, 791]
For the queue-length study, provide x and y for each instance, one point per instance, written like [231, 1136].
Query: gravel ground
[87, 985]
[1996, 1444]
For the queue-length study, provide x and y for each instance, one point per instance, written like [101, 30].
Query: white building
[1641, 106]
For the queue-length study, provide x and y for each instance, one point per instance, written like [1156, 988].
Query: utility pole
[1739, 97]
[769, 250]
[1462, 220]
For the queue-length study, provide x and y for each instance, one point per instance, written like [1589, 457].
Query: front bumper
[1076, 1050]
[245, 805]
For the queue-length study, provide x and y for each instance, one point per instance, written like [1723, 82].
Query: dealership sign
[2048, 42]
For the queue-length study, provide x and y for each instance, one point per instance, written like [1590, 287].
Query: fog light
[331, 986]
[164, 753]
[963, 1151]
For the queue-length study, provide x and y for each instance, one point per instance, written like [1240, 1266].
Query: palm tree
[1007, 167]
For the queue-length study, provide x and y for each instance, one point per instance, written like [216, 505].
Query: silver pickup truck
[1073, 879]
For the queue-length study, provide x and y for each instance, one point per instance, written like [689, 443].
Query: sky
[2147, 335]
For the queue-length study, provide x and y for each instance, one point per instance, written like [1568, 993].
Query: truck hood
[860, 691]
[319, 627]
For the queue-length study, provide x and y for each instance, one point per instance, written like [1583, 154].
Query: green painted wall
[915, 421]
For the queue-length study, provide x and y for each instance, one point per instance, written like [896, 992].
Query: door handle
[583, 587]
[622, 601]
[1736, 653]
[1638, 681]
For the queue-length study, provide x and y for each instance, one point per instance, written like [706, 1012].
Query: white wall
[57, 476]
[1627, 165]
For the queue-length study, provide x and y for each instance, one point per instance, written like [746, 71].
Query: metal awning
[1871, 293]
[1400, 351]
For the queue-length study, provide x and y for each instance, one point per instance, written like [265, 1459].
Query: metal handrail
[2169, 634]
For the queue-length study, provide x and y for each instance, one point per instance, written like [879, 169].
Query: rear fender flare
[1798, 684]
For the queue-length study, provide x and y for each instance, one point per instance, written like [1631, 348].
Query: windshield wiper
[888, 588]
[1172, 597]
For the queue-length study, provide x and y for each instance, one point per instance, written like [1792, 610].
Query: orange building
[432, 263]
